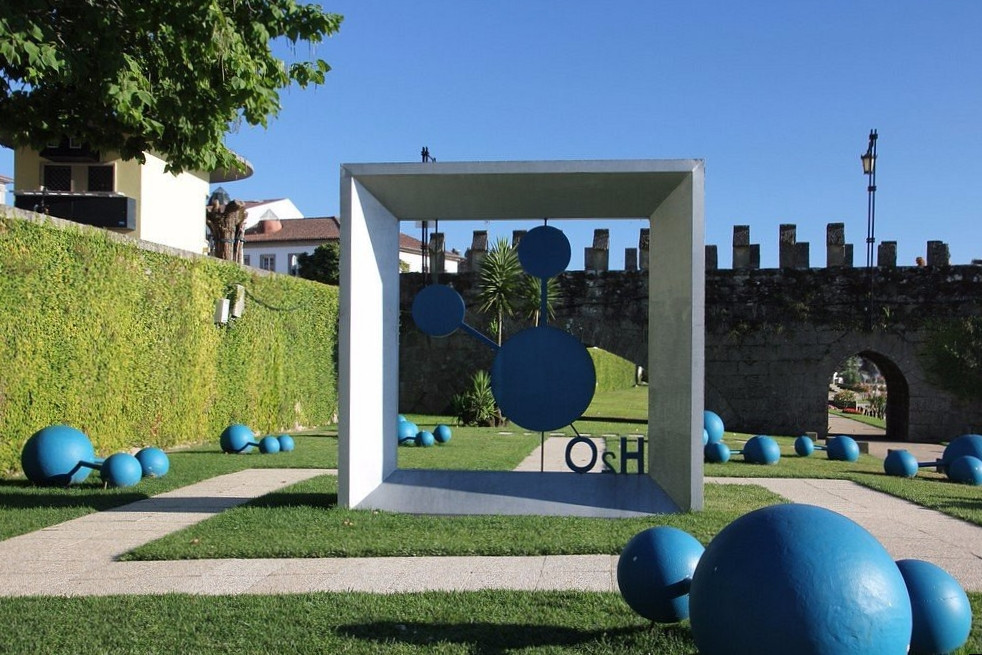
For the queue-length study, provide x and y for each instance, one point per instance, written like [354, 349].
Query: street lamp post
[869, 170]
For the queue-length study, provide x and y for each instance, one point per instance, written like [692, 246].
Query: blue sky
[777, 97]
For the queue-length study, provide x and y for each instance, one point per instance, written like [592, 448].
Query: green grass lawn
[861, 418]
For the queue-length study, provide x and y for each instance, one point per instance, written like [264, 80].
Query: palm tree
[500, 284]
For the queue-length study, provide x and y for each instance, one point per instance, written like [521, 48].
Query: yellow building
[71, 181]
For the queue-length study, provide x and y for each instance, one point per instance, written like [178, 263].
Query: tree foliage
[953, 357]
[500, 284]
[322, 265]
[163, 76]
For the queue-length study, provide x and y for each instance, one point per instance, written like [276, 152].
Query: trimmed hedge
[120, 342]
[613, 372]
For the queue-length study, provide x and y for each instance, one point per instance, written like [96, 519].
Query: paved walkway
[78, 557]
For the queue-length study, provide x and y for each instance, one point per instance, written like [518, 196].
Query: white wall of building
[281, 208]
[284, 253]
[172, 207]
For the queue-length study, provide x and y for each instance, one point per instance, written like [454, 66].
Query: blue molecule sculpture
[842, 449]
[942, 614]
[967, 444]
[542, 378]
[269, 445]
[153, 462]
[121, 470]
[425, 439]
[804, 446]
[763, 587]
[713, 426]
[286, 443]
[966, 470]
[654, 572]
[761, 449]
[442, 433]
[900, 463]
[58, 455]
[407, 433]
[237, 438]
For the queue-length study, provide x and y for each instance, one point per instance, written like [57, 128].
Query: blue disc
[438, 310]
[544, 251]
[543, 378]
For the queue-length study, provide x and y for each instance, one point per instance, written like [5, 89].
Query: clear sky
[777, 97]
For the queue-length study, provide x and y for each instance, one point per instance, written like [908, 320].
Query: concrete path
[78, 557]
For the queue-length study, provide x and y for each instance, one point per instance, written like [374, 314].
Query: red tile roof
[295, 229]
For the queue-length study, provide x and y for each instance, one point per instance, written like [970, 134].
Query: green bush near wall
[121, 343]
[613, 372]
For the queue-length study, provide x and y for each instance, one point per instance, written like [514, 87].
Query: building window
[57, 178]
[267, 262]
[246, 260]
[294, 259]
[101, 178]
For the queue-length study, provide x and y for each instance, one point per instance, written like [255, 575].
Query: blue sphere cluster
[712, 427]
[240, 439]
[409, 434]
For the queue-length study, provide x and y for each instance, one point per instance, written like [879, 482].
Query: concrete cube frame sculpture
[375, 197]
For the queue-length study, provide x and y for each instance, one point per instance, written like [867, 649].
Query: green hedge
[613, 372]
[120, 342]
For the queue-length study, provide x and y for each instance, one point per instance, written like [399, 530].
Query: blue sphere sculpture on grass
[716, 452]
[941, 612]
[407, 431]
[967, 444]
[442, 433]
[269, 445]
[804, 446]
[54, 456]
[966, 470]
[900, 463]
[286, 443]
[765, 587]
[713, 425]
[153, 462]
[842, 449]
[654, 572]
[761, 449]
[237, 438]
[425, 438]
[121, 470]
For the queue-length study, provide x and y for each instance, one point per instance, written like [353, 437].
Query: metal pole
[870, 224]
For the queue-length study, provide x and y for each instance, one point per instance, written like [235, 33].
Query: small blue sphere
[761, 449]
[804, 446]
[900, 463]
[442, 433]
[942, 614]
[269, 445]
[407, 430]
[763, 587]
[654, 572]
[842, 449]
[51, 456]
[966, 470]
[716, 452]
[713, 425]
[121, 470]
[425, 438]
[237, 438]
[286, 443]
[705, 436]
[967, 444]
[153, 462]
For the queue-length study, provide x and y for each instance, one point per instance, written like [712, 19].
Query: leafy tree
[166, 76]
[953, 357]
[322, 265]
[500, 284]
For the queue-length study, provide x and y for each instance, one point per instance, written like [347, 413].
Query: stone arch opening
[897, 409]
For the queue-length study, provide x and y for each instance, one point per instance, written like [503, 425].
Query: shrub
[476, 406]
[844, 399]
[613, 372]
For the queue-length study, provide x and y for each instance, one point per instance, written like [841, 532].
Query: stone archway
[898, 395]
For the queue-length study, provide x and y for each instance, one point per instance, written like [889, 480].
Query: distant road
[842, 425]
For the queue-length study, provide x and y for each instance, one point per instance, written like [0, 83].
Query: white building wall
[281, 209]
[282, 254]
[172, 207]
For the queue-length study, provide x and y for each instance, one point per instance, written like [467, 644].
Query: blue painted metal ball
[286, 443]
[442, 433]
[402, 418]
[121, 470]
[842, 449]
[900, 463]
[804, 446]
[713, 425]
[942, 614]
[716, 452]
[967, 469]
[407, 430]
[269, 445]
[154, 462]
[798, 579]
[425, 438]
[237, 438]
[705, 436]
[654, 572]
[52, 456]
[761, 449]
[967, 444]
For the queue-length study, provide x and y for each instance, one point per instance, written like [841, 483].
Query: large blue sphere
[442, 433]
[764, 586]
[761, 449]
[407, 430]
[713, 425]
[269, 445]
[842, 449]
[967, 444]
[716, 452]
[942, 615]
[804, 446]
[654, 572]
[153, 462]
[286, 443]
[900, 463]
[52, 456]
[237, 438]
[966, 470]
[121, 470]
